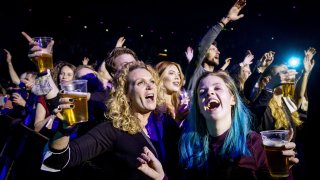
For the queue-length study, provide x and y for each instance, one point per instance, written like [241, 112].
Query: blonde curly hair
[281, 120]
[119, 110]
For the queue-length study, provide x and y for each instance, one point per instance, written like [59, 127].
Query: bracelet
[224, 25]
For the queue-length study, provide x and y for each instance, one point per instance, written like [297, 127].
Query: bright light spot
[231, 29]
[294, 62]
[141, 35]
[165, 50]
[107, 30]
[163, 54]
[272, 38]
[85, 27]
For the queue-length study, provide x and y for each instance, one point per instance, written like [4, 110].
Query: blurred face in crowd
[29, 78]
[142, 91]
[66, 74]
[213, 54]
[171, 79]
[246, 71]
[123, 59]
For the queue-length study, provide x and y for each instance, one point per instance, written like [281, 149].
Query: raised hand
[9, 57]
[233, 13]
[248, 59]
[189, 53]
[226, 64]
[120, 42]
[150, 165]
[266, 60]
[308, 61]
[85, 61]
[36, 50]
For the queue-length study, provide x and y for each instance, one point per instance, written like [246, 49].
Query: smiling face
[215, 99]
[171, 79]
[142, 91]
[66, 74]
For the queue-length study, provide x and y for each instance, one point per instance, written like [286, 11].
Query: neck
[168, 98]
[143, 117]
[208, 67]
[218, 127]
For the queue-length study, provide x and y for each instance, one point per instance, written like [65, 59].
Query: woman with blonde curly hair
[118, 142]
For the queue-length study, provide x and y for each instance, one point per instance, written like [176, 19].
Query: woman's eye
[201, 91]
[141, 83]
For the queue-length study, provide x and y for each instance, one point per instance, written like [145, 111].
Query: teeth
[212, 104]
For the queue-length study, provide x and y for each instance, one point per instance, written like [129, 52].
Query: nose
[177, 76]
[210, 92]
[150, 85]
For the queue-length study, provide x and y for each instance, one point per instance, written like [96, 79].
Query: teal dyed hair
[194, 142]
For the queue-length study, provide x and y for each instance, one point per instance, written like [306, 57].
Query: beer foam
[274, 142]
[80, 94]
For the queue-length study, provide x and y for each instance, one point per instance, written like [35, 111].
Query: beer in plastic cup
[273, 142]
[77, 90]
[44, 60]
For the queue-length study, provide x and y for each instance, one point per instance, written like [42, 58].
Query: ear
[233, 101]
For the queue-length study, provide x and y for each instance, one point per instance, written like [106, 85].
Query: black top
[114, 153]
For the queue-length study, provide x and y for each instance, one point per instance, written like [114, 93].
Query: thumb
[240, 16]
[290, 134]
[50, 45]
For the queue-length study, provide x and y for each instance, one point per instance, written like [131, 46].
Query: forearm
[60, 143]
[207, 40]
[304, 84]
[14, 76]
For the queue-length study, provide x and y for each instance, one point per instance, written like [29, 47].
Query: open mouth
[176, 83]
[150, 97]
[212, 105]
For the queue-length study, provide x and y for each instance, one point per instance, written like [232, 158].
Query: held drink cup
[44, 60]
[288, 87]
[77, 90]
[273, 142]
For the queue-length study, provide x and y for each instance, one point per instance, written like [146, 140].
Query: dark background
[287, 27]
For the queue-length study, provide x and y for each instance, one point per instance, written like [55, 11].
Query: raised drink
[44, 61]
[80, 111]
[288, 90]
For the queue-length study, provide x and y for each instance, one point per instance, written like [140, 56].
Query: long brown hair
[160, 68]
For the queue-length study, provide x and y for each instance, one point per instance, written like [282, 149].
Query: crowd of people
[154, 122]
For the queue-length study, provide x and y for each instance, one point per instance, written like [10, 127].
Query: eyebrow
[214, 84]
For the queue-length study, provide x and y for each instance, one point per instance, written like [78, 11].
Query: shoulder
[254, 139]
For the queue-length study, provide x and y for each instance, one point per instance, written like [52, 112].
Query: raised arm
[226, 64]
[13, 74]
[195, 65]
[308, 64]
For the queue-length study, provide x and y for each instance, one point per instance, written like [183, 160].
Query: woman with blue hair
[217, 141]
